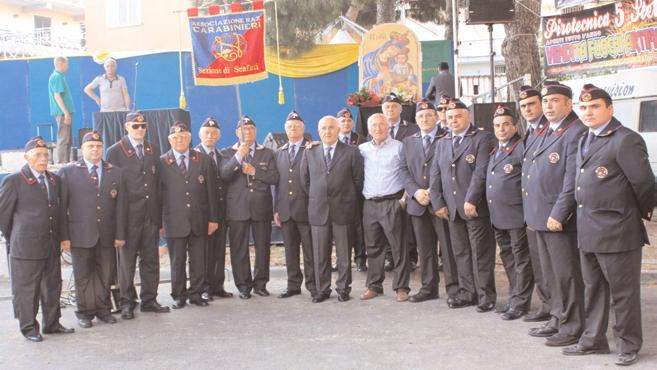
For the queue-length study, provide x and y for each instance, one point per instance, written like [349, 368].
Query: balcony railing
[41, 42]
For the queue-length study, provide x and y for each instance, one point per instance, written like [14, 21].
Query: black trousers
[615, 277]
[179, 248]
[34, 281]
[239, 251]
[323, 236]
[92, 268]
[297, 236]
[143, 242]
[431, 231]
[514, 252]
[215, 267]
[473, 245]
[542, 288]
[561, 266]
[383, 224]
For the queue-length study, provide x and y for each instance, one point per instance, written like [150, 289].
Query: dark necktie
[392, 132]
[549, 132]
[587, 143]
[94, 174]
[427, 145]
[182, 165]
[345, 140]
[249, 158]
[530, 130]
[457, 143]
[327, 157]
[213, 156]
[500, 149]
[42, 182]
[291, 152]
[140, 151]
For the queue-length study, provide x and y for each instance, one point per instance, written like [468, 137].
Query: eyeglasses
[136, 126]
[441, 109]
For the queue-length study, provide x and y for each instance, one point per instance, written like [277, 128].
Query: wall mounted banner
[620, 35]
[228, 48]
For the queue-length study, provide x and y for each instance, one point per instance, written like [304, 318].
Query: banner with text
[620, 35]
[228, 48]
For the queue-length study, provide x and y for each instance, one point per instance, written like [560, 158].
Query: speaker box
[483, 114]
[490, 11]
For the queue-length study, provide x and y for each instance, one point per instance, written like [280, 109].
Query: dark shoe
[503, 309]
[450, 300]
[513, 314]
[543, 331]
[155, 307]
[485, 307]
[206, 297]
[59, 329]
[245, 295]
[222, 294]
[460, 303]
[388, 265]
[287, 293]
[127, 314]
[343, 296]
[199, 302]
[561, 340]
[85, 323]
[261, 292]
[361, 267]
[107, 319]
[178, 304]
[33, 337]
[320, 298]
[578, 350]
[627, 359]
[537, 317]
[421, 297]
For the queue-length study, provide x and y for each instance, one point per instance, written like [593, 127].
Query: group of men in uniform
[564, 202]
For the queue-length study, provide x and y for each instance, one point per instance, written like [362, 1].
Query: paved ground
[294, 333]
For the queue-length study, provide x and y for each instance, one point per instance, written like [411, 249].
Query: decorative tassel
[281, 96]
[182, 102]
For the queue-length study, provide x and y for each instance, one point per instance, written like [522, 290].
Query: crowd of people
[564, 199]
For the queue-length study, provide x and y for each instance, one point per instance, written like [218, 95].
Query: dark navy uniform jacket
[220, 192]
[531, 143]
[28, 219]
[459, 177]
[91, 213]
[291, 201]
[503, 186]
[614, 191]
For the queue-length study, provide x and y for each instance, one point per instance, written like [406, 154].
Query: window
[121, 13]
[648, 116]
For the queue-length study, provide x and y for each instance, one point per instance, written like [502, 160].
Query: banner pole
[182, 102]
[281, 94]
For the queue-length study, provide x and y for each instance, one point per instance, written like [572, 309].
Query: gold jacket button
[147, 197]
[189, 205]
[251, 190]
[291, 193]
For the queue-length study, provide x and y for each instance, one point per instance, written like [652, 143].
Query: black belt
[396, 196]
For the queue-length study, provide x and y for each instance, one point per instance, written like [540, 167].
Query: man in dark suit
[139, 159]
[249, 170]
[93, 223]
[457, 191]
[399, 130]
[189, 210]
[29, 220]
[332, 174]
[419, 150]
[441, 84]
[529, 100]
[215, 266]
[291, 209]
[549, 206]
[350, 137]
[614, 192]
[505, 206]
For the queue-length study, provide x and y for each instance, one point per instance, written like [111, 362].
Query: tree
[385, 11]
[520, 47]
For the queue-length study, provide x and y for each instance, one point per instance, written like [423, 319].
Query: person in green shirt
[62, 108]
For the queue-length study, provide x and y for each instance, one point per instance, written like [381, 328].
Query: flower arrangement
[363, 97]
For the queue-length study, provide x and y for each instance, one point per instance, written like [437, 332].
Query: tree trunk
[520, 47]
[385, 11]
[449, 31]
[352, 12]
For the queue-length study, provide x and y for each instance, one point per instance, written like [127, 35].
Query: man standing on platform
[291, 209]
[139, 159]
[350, 137]
[249, 170]
[614, 192]
[93, 224]
[29, 220]
[189, 210]
[62, 108]
[505, 205]
[457, 191]
[215, 266]
[531, 110]
[332, 176]
[383, 216]
[549, 205]
[419, 154]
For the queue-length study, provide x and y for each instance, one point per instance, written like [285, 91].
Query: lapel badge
[554, 157]
[470, 158]
[201, 179]
[601, 172]
[113, 193]
[508, 168]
